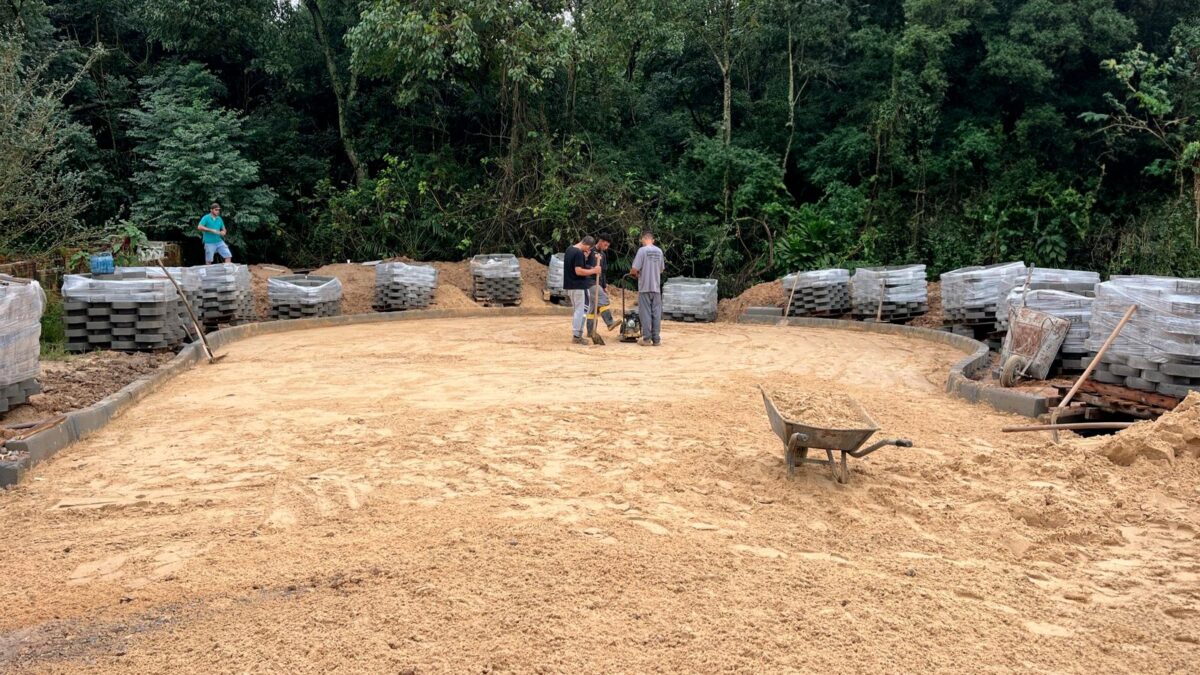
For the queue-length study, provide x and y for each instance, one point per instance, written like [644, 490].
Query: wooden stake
[1070, 425]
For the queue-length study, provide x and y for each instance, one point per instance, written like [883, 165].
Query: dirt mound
[533, 282]
[258, 286]
[457, 274]
[934, 318]
[358, 285]
[1172, 436]
[768, 294]
[82, 380]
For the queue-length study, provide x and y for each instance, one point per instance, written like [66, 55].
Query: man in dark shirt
[600, 254]
[577, 279]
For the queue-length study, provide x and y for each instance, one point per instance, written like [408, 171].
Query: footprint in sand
[760, 551]
[1047, 629]
[99, 570]
[652, 527]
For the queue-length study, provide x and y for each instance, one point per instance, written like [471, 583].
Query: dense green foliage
[755, 136]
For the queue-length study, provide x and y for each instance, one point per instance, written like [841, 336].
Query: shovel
[594, 321]
[212, 358]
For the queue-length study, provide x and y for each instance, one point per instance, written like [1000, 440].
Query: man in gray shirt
[647, 268]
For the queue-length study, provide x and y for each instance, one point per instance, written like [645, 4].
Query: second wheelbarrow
[798, 438]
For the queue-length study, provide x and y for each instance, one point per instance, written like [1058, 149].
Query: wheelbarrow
[1031, 345]
[798, 438]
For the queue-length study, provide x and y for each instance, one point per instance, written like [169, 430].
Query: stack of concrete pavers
[1073, 357]
[1158, 350]
[554, 280]
[225, 295]
[123, 311]
[400, 286]
[21, 304]
[818, 293]
[688, 299]
[896, 293]
[188, 282]
[971, 295]
[303, 296]
[1079, 282]
[496, 279]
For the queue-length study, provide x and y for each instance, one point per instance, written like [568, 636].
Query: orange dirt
[934, 318]
[258, 286]
[767, 294]
[411, 498]
[358, 285]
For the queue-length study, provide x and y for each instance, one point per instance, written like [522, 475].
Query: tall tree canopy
[755, 136]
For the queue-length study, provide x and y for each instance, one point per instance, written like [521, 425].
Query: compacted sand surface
[480, 496]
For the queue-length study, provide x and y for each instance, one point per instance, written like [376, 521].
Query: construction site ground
[478, 495]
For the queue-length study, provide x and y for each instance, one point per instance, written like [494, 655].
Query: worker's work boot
[645, 342]
[578, 340]
[606, 314]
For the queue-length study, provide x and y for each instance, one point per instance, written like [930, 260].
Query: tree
[345, 87]
[1160, 99]
[40, 197]
[190, 153]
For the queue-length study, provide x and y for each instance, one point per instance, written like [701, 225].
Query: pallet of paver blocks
[124, 311]
[896, 294]
[554, 280]
[189, 283]
[818, 293]
[496, 279]
[971, 295]
[21, 304]
[688, 299]
[1158, 350]
[1078, 282]
[400, 286]
[225, 295]
[303, 296]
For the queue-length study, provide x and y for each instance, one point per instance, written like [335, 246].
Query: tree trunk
[791, 123]
[1196, 200]
[343, 96]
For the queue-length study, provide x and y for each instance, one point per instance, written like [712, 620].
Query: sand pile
[457, 274]
[533, 282]
[934, 318]
[767, 294]
[1174, 435]
[358, 285]
[818, 409]
[258, 286]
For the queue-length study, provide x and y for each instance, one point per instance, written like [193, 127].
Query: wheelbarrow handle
[898, 442]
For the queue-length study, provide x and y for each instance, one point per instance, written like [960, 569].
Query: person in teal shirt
[212, 231]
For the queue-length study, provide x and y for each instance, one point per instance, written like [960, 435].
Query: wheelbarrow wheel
[1010, 373]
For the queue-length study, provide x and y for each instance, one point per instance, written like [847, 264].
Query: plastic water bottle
[102, 263]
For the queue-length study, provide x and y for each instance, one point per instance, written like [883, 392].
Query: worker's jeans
[650, 314]
[579, 305]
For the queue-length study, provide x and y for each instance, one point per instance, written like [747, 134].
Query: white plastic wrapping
[979, 287]
[1166, 325]
[899, 284]
[420, 276]
[187, 277]
[21, 307]
[224, 276]
[496, 266]
[554, 276]
[84, 288]
[303, 289]
[816, 278]
[685, 295]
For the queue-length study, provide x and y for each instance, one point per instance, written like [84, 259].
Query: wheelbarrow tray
[1036, 337]
[820, 437]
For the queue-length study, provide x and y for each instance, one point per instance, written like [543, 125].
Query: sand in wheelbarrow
[820, 409]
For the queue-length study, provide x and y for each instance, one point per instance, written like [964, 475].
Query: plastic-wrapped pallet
[303, 296]
[554, 279]
[1079, 282]
[818, 293]
[972, 295]
[1159, 348]
[401, 286]
[21, 305]
[122, 312]
[189, 282]
[496, 279]
[688, 299]
[225, 295]
[902, 289]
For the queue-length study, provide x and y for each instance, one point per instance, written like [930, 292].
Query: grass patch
[54, 333]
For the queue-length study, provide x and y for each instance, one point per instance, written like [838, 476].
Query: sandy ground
[409, 497]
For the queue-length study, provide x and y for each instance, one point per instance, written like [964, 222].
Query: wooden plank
[1126, 394]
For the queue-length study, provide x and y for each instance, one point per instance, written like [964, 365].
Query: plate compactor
[631, 324]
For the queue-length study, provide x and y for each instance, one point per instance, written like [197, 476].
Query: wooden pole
[1071, 425]
[212, 358]
[879, 309]
[1090, 367]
